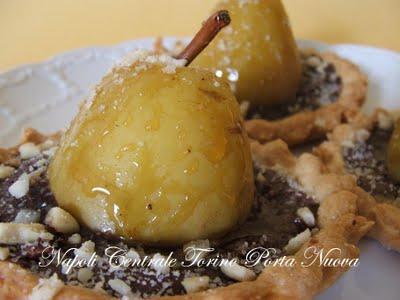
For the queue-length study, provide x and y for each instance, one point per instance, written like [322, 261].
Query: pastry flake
[358, 148]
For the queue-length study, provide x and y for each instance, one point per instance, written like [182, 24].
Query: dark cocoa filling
[320, 85]
[367, 160]
[271, 224]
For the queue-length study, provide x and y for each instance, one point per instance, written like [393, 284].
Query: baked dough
[339, 224]
[385, 215]
[310, 125]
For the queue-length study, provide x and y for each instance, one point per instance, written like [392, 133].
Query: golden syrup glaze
[256, 53]
[161, 157]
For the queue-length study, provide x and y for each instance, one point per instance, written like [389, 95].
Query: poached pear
[157, 155]
[257, 53]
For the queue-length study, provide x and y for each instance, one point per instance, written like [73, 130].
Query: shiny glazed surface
[157, 157]
[256, 53]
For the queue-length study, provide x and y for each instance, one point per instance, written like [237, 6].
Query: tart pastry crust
[339, 225]
[310, 125]
[385, 215]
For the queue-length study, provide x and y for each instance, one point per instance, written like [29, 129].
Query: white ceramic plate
[45, 96]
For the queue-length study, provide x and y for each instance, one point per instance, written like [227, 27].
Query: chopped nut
[133, 255]
[313, 61]
[84, 274]
[237, 272]
[195, 250]
[159, 264]
[296, 242]
[46, 289]
[46, 144]
[75, 239]
[6, 171]
[27, 216]
[361, 135]
[119, 286]
[4, 253]
[14, 233]
[260, 177]
[320, 122]
[61, 220]
[28, 150]
[384, 121]
[348, 143]
[20, 187]
[85, 251]
[306, 215]
[35, 175]
[196, 284]
[50, 152]
[40, 163]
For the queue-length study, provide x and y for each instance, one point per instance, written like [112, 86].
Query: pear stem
[206, 34]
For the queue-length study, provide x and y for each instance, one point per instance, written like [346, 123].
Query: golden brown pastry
[332, 90]
[321, 203]
[359, 149]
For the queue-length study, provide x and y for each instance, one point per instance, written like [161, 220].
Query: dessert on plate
[297, 206]
[368, 148]
[286, 93]
[156, 190]
[176, 180]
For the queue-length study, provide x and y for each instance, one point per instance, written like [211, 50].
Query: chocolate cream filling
[367, 160]
[273, 221]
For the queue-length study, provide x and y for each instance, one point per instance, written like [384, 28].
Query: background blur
[33, 30]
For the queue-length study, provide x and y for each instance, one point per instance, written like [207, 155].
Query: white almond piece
[28, 150]
[195, 250]
[361, 135]
[20, 187]
[260, 177]
[61, 220]
[237, 272]
[46, 289]
[296, 242]
[27, 216]
[384, 121]
[306, 215]
[160, 264]
[50, 152]
[4, 253]
[46, 144]
[6, 171]
[40, 163]
[320, 122]
[75, 239]
[14, 233]
[119, 286]
[84, 275]
[348, 143]
[133, 255]
[85, 251]
[196, 284]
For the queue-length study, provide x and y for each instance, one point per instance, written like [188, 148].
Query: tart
[331, 90]
[298, 205]
[359, 149]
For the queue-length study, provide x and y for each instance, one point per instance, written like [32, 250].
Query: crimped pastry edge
[340, 227]
[310, 125]
[385, 215]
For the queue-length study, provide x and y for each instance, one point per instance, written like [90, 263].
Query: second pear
[256, 53]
